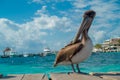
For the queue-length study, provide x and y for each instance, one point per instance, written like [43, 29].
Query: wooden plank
[108, 73]
[108, 76]
[73, 76]
[111, 77]
[12, 77]
[35, 77]
[60, 76]
[84, 77]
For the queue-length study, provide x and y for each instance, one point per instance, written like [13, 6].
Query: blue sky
[31, 25]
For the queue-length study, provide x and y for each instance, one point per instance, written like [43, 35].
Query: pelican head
[86, 23]
[88, 16]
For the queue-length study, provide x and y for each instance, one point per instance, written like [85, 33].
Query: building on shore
[112, 45]
[8, 52]
[96, 50]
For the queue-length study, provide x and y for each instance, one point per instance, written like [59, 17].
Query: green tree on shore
[119, 41]
[98, 46]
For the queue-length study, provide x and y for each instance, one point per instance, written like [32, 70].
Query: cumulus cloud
[47, 1]
[31, 35]
[28, 35]
[41, 11]
[18, 35]
[48, 22]
[106, 18]
[38, 1]
[107, 15]
[99, 35]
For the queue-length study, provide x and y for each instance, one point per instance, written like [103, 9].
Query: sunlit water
[98, 62]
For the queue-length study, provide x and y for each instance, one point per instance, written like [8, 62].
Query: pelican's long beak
[86, 23]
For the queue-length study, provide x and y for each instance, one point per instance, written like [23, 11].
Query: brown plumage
[66, 53]
[79, 49]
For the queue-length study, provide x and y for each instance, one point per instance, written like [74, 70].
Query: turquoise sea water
[98, 62]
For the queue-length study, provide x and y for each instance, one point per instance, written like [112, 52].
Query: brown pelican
[79, 49]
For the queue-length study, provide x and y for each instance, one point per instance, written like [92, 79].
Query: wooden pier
[64, 76]
[25, 77]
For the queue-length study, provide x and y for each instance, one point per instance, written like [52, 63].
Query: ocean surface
[97, 62]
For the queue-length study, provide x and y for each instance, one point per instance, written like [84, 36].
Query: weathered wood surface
[73, 76]
[111, 77]
[107, 73]
[26, 77]
[35, 77]
[12, 77]
[108, 76]
[65, 76]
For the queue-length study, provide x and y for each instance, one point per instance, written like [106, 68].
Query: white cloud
[42, 11]
[28, 35]
[48, 22]
[47, 1]
[32, 33]
[38, 1]
[107, 12]
[98, 35]
[16, 35]
[106, 20]
[80, 4]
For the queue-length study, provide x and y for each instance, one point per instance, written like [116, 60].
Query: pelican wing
[65, 54]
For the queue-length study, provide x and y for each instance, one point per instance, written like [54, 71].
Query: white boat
[25, 55]
[46, 51]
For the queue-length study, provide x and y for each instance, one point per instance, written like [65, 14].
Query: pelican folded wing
[65, 54]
